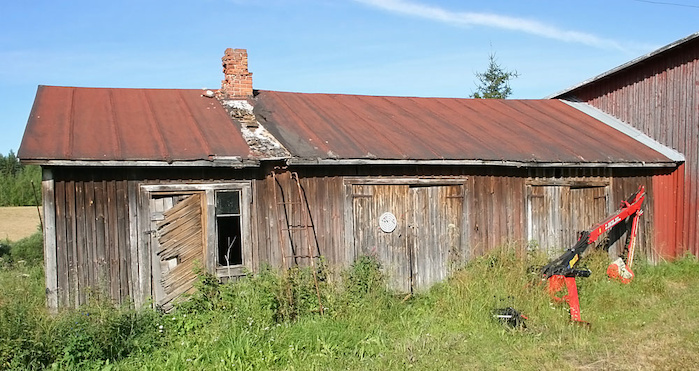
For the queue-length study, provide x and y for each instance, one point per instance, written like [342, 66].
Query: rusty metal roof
[325, 127]
[181, 127]
[105, 124]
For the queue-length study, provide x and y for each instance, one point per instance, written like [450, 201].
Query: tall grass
[272, 321]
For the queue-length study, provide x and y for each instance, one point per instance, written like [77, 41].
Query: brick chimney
[237, 83]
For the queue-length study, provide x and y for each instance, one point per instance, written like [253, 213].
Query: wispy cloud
[492, 20]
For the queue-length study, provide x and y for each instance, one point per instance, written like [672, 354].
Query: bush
[29, 249]
[364, 277]
[5, 249]
[31, 338]
[265, 298]
[103, 334]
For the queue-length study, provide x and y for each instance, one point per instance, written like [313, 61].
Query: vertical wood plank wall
[660, 98]
[325, 198]
[95, 245]
[92, 249]
[624, 183]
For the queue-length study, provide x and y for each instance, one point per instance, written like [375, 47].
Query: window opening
[228, 228]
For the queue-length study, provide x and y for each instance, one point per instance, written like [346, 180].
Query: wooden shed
[141, 186]
[658, 94]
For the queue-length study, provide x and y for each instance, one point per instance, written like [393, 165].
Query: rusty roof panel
[180, 125]
[334, 126]
[70, 123]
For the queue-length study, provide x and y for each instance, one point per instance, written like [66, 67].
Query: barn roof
[110, 126]
[689, 41]
[104, 124]
[332, 128]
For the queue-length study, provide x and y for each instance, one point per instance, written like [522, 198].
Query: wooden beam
[405, 180]
[50, 262]
[133, 243]
[144, 254]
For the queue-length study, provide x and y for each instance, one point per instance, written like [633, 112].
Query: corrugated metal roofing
[107, 124]
[333, 126]
[168, 125]
[630, 64]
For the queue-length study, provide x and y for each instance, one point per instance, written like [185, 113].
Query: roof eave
[518, 164]
[214, 162]
[239, 164]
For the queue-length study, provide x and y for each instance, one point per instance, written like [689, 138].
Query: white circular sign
[388, 222]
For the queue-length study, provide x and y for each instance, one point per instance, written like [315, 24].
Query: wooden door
[588, 207]
[391, 249]
[178, 245]
[436, 232]
[427, 236]
[547, 218]
[557, 214]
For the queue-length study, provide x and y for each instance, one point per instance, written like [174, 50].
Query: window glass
[228, 203]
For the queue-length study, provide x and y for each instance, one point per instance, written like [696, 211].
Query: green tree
[494, 83]
[9, 166]
[18, 183]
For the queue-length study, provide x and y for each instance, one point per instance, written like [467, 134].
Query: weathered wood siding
[179, 244]
[624, 183]
[660, 97]
[323, 206]
[426, 243]
[496, 211]
[99, 243]
[91, 238]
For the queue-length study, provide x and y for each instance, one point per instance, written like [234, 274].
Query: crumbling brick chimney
[237, 83]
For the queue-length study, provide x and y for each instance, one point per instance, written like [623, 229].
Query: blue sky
[374, 47]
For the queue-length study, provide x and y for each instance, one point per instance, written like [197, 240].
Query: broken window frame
[232, 218]
[211, 236]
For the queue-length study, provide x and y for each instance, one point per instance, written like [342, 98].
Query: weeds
[29, 250]
[31, 338]
[270, 320]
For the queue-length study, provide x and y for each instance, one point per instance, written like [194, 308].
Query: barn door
[436, 232]
[427, 233]
[390, 248]
[557, 214]
[178, 245]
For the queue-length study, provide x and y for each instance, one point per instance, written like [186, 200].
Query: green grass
[268, 321]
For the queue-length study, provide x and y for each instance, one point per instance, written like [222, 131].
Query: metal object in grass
[510, 317]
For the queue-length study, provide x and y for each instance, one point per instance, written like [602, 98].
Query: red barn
[658, 94]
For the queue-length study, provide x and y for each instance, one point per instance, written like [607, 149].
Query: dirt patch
[18, 222]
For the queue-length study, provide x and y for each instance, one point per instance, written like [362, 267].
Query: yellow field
[18, 222]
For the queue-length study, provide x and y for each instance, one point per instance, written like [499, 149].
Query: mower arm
[561, 271]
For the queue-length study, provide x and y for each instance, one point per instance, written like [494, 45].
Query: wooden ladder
[286, 222]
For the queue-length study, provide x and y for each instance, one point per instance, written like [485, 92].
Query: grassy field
[18, 222]
[270, 321]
